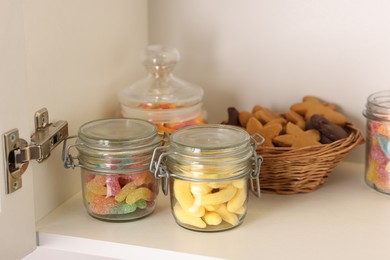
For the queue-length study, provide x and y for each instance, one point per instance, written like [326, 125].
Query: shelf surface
[343, 219]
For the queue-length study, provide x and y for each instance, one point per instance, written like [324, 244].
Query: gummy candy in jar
[207, 169]
[114, 156]
[377, 168]
[161, 97]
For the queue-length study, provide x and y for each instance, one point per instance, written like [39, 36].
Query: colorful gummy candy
[378, 156]
[173, 126]
[119, 194]
[169, 127]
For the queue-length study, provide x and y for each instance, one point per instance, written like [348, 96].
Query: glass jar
[162, 98]
[207, 169]
[377, 113]
[114, 157]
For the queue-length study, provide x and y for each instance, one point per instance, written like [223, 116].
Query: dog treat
[296, 137]
[329, 130]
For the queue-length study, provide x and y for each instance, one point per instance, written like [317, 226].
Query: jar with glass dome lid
[161, 97]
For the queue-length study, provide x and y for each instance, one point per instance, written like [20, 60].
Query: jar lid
[160, 89]
[118, 133]
[203, 139]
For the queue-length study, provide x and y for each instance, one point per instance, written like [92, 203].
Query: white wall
[79, 55]
[272, 53]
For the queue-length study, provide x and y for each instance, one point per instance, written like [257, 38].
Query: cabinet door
[17, 223]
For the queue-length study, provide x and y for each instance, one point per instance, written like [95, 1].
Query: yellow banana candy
[240, 211]
[227, 216]
[218, 185]
[183, 193]
[187, 201]
[239, 184]
[212, 218]
[185, 218]
[212, 207]
[200, 188]
[237, 201]
[196, 211]
[219, 197]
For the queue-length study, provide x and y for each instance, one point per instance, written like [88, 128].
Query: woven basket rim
[286, 170]
[354, 139]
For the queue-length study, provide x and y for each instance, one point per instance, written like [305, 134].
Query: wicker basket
[301, 170]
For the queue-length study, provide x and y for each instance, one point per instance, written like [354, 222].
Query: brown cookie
[279, 120]
[256, 108]
[330, 131]
[313, 106]
[267, 132]
[317, 100]
[243, 117]
[265, 115]
[233, 116]
[296, 118]
[296, 137]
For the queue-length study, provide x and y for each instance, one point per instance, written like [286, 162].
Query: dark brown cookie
[233, 116]
[328, 129]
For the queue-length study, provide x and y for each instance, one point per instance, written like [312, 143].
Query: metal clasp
[258, 159]
[18, 153]
[67, 158]
[159, 169]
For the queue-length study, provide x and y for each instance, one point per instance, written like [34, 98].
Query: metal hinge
[18, 153]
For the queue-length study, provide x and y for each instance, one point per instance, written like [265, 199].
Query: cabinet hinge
[18, 153]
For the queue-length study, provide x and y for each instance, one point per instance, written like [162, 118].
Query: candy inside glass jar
[377, 113]
[162, 98]
[207, 169]
[114, 156]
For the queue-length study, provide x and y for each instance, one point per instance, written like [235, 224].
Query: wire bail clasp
[158, 168]
[258, 160]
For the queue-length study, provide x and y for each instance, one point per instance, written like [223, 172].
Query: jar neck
[211, 164]
[378, 106]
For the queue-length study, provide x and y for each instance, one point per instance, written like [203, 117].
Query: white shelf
[344, 219]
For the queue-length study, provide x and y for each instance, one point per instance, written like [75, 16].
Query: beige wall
[272, 53]
[78, 55]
